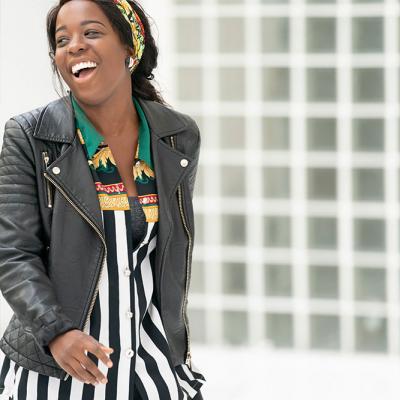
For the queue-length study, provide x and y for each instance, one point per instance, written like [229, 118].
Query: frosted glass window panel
[276, 182]
[279, 329]
[321, 84]
[231, 35]
[233, 229]
[370, 284]
[321, 1]
[367, 1]
[232, 132]
[275, 34]
[197, 280]
[369, 234]
[199, 222]
[188, 34]
[321, 34]
[232, 83]
[197, 320]
[234, 278]
[275, 132]
[325, 332]
[189, 81]
[371, 334]
[230, 1]
[368, 85]
[275, 83]
[368, 134]
[368, 184]
[322, 233]
[233, 182]
[235, 327]
[367, 34]
[321, 134]
[278, 280]
[321, 183]
[324, 282]
[277, 231]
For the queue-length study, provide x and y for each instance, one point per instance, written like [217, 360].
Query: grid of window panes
[296, 200]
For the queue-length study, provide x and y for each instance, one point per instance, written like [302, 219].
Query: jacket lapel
[57, 123]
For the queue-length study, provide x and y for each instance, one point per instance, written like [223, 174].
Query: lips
[85, 75]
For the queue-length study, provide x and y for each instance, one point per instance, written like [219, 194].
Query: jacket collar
[57, 121]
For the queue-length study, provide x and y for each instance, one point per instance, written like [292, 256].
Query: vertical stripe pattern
[142, 368]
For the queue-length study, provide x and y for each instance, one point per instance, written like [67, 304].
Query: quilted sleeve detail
[24, 282]
[195, 155]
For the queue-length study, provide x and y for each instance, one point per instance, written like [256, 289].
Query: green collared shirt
[93, 138]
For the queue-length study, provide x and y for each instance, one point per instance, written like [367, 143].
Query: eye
[91, 32]
[61, 40]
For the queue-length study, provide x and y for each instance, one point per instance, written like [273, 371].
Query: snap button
[129, 314]
[56, 170]
[127, 271]
[129, 353]
[184, 162]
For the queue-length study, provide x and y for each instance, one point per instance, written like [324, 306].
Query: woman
[96, 222]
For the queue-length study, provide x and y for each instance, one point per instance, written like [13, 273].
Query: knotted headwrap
[137, 28]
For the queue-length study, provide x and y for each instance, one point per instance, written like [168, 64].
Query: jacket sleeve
[196, 154]
[24, 282]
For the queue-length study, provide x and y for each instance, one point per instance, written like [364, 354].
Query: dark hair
[142, 75]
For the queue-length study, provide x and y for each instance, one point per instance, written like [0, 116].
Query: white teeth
[81, 65]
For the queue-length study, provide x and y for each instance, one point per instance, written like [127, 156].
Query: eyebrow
[86, 22]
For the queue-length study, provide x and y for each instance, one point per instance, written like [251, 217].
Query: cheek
[62, 66]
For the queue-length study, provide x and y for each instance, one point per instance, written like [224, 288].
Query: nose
[76, 44]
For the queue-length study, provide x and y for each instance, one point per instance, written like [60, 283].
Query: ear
[129, 51]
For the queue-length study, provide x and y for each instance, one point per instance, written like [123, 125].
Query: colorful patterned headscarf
[137, 28]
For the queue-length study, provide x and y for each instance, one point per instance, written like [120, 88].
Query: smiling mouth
[84, 74]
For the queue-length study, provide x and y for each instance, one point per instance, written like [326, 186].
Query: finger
[83, 375]
[69, 370]
[92, 368]
[107, 349]
[96, 348]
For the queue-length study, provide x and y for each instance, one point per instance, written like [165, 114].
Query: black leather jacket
[52, 246]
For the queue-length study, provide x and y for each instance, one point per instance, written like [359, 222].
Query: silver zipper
[185, 301]
[46, 159]
[102, 239]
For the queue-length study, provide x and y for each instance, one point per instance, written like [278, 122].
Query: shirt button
[127, 271]
[129, 314]
[184, 162]
[56, 170]
[129, 353]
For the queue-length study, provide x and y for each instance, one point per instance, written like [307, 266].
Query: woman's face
[84, 34]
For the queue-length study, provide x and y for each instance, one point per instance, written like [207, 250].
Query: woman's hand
[68, 349]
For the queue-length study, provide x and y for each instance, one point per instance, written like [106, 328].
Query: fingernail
[104, 380]
[110, 363]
